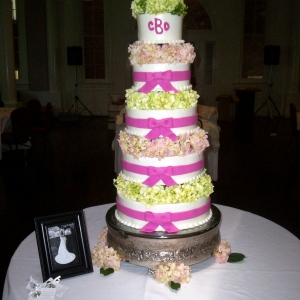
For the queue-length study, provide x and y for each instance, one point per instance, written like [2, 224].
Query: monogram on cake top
[163, 185]
[160, 59]
[159, 21]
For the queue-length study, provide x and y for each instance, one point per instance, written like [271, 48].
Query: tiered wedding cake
[163, 189]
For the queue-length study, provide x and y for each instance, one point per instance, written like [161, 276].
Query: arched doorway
[198, 30]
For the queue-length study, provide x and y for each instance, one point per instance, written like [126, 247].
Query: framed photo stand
[63, 245]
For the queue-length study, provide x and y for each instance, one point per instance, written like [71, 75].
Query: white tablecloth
[5, 123]
[270, 271]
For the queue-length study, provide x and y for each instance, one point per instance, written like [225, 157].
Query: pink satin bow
[161, 173]
[154, 220]
[156, 174]
[162, 219]
[161, 127]
[162, 79]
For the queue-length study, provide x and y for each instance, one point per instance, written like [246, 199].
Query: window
[93, 39]
[16, 38]
[14, 10]
[209, 63]
[254, 39]
[196, 17]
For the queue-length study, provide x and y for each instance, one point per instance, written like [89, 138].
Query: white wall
[64, 29]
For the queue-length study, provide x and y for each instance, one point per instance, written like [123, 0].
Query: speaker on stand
[74, 57]
[271, 57]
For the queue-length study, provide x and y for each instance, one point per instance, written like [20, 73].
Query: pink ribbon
[156, 174]
[154, 220]
[163, 79]
[162, 219]
[161, 173]
[162, 126]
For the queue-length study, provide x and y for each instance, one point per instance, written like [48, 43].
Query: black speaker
[271, 55]
[74, 54]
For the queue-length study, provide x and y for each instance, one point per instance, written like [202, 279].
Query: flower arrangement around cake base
[172, 274]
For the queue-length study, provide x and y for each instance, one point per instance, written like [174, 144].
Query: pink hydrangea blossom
[222, 252]
[142, 53]
[221, 257]
[187, 143]
[103, 256]
[171, 271]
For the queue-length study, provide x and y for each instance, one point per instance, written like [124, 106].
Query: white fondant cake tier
[134, 115]
[172, 42]
[136, 208]
[159, 29]
[161, 77]
[189, 167]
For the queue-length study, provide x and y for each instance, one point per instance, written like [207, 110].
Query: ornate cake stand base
[189, 246]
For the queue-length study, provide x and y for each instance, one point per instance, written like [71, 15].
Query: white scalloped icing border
[181, 227]
[170, 42]
[183, 182]
[183, 88]
[142, 135]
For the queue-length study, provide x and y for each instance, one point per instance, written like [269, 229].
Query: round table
[270, 271]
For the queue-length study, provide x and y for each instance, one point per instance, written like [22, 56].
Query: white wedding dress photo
[64, 256]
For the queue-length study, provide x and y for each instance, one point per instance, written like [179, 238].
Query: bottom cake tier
[189, 246]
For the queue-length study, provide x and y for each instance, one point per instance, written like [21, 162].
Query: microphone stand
[77, 100]
[269, 100]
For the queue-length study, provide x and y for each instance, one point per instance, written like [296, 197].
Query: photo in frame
[63, 245]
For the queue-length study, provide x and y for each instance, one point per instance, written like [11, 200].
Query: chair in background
[114, 109]
[1, 102]
[20, 136]
[295, 123]
[41, 122]
[207, 120]
[294, 143]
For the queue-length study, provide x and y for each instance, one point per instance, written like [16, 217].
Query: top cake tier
[160, 29]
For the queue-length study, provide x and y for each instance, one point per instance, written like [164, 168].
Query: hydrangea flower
[171, 271]
[222, 252]
[187, 143]
[161, 100]
[155, 7]
[160, 194]
[142, 53]
[103, 256]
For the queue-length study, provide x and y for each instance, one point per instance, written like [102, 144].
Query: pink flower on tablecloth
[221, 257]
[102, 237]
[104, 257]
[222, 252]
[171, 271]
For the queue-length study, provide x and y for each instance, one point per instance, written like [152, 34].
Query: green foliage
[180, 9]
[236, 257]
[174, 286]
[107, 271]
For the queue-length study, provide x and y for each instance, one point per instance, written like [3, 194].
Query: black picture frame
[63, 245]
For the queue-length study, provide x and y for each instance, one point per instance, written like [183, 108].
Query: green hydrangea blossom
[160, 194]
[155, 7]
[161, 100]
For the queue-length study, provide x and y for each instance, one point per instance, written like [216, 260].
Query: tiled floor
[260, 175]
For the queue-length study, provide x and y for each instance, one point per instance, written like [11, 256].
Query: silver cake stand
[189, 246]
